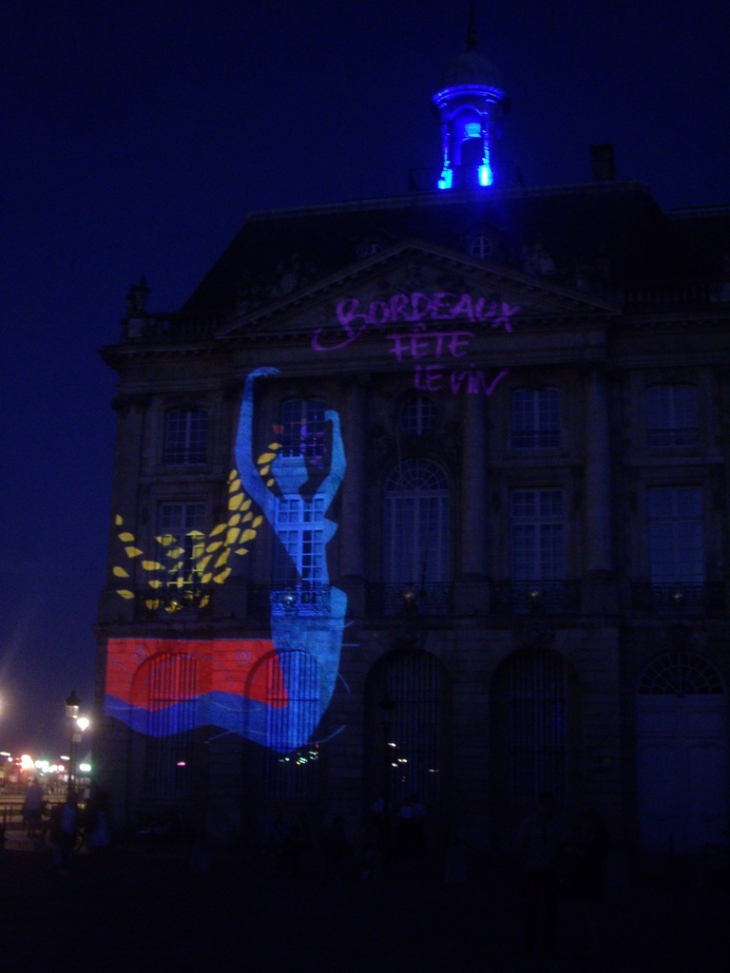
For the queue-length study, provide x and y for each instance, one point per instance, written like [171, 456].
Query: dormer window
[481, 246]
[671, 415]
[186, 437]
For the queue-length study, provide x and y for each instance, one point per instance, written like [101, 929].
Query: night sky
[137, 134]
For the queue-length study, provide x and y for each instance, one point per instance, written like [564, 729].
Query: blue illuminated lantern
[469, 104]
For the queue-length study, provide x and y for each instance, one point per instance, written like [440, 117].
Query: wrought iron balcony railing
[678, 597]
[535, 597]
[399, 598]
[300, 598]
[165, 603]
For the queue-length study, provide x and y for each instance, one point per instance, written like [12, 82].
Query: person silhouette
[308, 616]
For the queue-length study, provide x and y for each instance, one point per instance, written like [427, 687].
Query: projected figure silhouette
[307, 620]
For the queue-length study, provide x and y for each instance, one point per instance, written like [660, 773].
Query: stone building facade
[427, 496]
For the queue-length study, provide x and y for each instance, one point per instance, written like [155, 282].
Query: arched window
[481, 246]
[417, 415]
[680, 674]
[535, 418]
[171, 703]
[186, 437]
[303, 428]
[671, 415]
[415, 523]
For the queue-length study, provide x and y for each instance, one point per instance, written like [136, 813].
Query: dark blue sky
[136, 135]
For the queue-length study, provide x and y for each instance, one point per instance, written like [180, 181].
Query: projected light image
[273, 691]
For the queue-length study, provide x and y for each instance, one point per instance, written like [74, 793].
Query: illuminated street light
[72, 713]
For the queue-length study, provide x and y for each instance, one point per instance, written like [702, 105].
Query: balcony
[400, 598]
[535, 597]
[678, 598]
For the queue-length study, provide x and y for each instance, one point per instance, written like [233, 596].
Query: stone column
[473, 488]
[598, 478]
[352, 520]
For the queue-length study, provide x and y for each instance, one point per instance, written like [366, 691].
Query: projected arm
[331, 484]
[250, 476]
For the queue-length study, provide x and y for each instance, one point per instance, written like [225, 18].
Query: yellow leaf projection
[186, 567]
[266, 457]
[269, 483]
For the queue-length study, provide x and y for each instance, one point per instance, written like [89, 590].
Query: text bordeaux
[414, 308]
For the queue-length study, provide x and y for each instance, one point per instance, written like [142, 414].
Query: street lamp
[387, 706]
[72, 713]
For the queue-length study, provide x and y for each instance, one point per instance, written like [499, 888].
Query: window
[417, 415]
[671, 415]
[535, 418]
[537, 535]
[415, 523]
[182, 535]
[675, 522]
[303, 428]
[186, 437]
[300, 527]
[171, 704]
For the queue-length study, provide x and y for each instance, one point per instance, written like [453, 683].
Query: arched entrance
[535, 734]
[407, 726]
[682, 754]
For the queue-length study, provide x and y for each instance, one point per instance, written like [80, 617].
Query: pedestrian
[541, 842]
[33, 807]
[67, 829]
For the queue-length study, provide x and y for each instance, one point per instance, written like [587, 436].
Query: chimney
[603, 164]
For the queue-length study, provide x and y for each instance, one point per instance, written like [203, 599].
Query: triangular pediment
[411, 282]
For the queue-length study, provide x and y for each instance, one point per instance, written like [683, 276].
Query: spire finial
[471, 31]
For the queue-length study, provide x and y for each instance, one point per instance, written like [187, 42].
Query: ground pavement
[165, 910]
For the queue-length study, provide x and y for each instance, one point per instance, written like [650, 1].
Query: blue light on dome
[473, 130]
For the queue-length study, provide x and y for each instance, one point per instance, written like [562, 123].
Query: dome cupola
[469, 104]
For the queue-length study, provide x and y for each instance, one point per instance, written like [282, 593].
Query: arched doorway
[535, 734]
[682, 754]
[408, 728]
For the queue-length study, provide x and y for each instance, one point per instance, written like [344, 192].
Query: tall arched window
[293, 708]
[535, 419]
[416, 524]
[186, 437]
[671, 415]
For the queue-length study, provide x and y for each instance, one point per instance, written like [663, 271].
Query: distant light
[85, 768]
[83, 723]
[485, 175]
[26, 762]
[64, 756]
[181, 763]
[42, 765]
